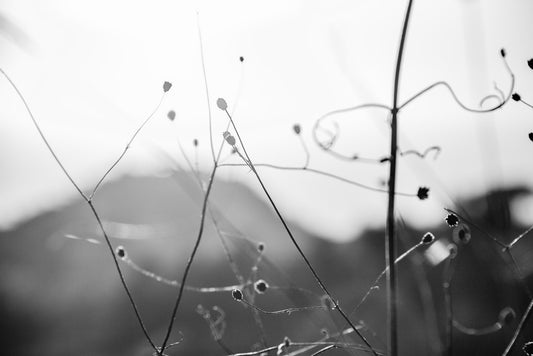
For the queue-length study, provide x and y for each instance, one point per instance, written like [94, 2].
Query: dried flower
[236, 294]
[502, 52]
[422, 193]
[121, 252]
[260, 286]
[229, 138]
[516, 97]
[428, 238]
[452, 220]
[167, 86]
[171, 115]
[221, 103]
[297, 129]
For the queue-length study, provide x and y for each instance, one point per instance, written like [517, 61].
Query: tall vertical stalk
[390, 239]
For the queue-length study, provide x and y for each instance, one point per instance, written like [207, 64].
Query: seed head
[241, 58]
[229, 138]
[260, 286]
[195, 142]
[236, 294]
[516, 97]
[297, 129]
[167, 86]
[221, 103]
[121, 252]
[428, 238]
[452, 220]
[502, 52]
[422, 193]
[171, 115]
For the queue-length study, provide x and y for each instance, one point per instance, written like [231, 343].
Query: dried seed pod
[260, 286]
[121, 252]
[428, 238]
[221, 103]
[452, 220]
[516, 97]
[236, 294]
[229, 138]
[167, 86]
[171, 115]
[422, 193]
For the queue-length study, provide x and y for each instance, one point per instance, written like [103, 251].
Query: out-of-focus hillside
[60, 294]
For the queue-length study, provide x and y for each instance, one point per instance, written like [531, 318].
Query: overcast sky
[92, 71]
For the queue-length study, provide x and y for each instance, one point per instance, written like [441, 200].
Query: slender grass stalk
[390, 240]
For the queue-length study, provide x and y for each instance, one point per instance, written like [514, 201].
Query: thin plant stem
[519, 329]
[447, 285]
[37, 126]
[211, 145]
[318, 172]
[95, 213]
[126, 148]
[121, 276]
[293, 240]
[390, 240]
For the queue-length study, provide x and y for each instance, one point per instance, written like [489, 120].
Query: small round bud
[260, 247]
[422, 193]
[516, 97]
[453, 250]
[121, 252]
[530, 63]
[461, 234]
[167, 86]
[297, 129]
[502, 52]
[241, 58]
[171, 115]
[528, 348]
[236, 294]
[221, 103]
[530, 136]
[452, 220]
[428, 238]
[229, 138]
[260, 286]
[507, 316]
[195, 142]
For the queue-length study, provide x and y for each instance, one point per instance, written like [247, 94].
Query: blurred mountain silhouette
[60, 293]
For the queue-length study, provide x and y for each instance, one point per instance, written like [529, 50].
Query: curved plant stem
[390, 240]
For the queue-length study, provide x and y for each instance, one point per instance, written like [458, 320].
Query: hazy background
[93, 71]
